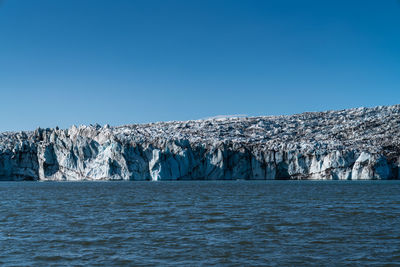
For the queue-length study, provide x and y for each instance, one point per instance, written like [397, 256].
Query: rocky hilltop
[360, 143]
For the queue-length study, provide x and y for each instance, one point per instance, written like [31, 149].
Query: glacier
[352, 144]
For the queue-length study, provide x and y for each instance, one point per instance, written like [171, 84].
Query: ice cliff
[352, 144]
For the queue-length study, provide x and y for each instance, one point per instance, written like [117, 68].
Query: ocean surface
[186, 223]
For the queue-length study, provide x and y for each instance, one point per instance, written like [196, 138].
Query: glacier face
[352, 144]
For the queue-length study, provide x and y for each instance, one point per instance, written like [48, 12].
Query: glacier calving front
[348, 144]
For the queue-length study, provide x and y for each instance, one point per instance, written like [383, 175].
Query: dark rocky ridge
[358, 143]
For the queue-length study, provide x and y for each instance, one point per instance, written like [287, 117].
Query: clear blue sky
[70, 62]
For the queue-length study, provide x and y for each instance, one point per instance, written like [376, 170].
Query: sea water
[200, 223]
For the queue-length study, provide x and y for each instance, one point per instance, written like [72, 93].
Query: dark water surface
[200, 223]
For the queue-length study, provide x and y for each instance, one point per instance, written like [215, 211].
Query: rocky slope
[358, 143]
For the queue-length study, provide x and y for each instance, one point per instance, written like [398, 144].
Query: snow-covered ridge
[360, 143]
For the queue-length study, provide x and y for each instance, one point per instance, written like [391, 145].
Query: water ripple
[231, 223]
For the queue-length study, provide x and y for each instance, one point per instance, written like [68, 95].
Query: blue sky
[70, 62]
